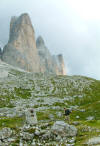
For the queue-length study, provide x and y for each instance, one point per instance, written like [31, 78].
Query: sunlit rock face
[24, 52]
[21, 49]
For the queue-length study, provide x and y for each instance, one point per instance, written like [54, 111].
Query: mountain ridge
[24, 52]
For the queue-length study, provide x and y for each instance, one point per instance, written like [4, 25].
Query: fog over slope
[68, 26]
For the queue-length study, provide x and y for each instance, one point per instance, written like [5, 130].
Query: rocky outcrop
[21, 49]
[49, 63]
[5, 133]
[61, 65]
[24, 52]
[58, 64]
[45, 56]
[62, 129]
[94, 141]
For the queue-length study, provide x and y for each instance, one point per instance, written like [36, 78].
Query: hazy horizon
[70, 27]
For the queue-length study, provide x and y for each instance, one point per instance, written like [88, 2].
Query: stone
[26, 136]
[76, 123]
[33, 143]
[90, 118]
[58, 138]
[59, 114]
[51, 116]
[77, 117]
[94, 141]
[46, 136]
[31, 118]
[37, 132]
[5, 133]
[63, 129]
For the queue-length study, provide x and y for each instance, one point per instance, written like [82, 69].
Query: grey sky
[70, 27]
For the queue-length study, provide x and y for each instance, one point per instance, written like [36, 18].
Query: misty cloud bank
[70, 27]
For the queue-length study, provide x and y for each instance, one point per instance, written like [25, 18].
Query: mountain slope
[48, 95]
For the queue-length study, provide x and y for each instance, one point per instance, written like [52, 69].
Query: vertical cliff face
[49, 63]
[21, 49]
[61, 65]
[46, 63]
[24, 52]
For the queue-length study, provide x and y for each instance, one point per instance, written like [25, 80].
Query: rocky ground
[47, 95]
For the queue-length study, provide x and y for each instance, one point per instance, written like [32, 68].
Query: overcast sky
[70, 27]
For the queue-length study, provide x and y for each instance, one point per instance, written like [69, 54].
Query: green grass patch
[11, 122]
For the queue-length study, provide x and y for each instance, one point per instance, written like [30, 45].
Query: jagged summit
[21, 49]
[40, 41]
[60, 62]
[24, 52]
[18, 24]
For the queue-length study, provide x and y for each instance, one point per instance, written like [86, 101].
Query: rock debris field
[32, 109]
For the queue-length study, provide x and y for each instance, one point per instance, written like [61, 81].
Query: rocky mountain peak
[40, 41]
[60, 62]
[24, 52]
[21, 49]
[21, 26]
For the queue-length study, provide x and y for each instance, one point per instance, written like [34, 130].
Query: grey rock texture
[62, 129]
[24, 52]
[49, 63]
[45, 56]
[58, 64]
[94, 141]
[21, 49]
[61, 66]
[5, 133]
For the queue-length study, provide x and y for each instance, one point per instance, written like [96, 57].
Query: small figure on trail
[67, 114]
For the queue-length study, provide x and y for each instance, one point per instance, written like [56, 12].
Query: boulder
[90, 118]
[63, 129]
[5, 133]
[94, 141]
[26, 136]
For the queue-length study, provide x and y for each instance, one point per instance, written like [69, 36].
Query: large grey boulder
[26, 136]
[63, 129]
[94, 141]
[5, 133]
